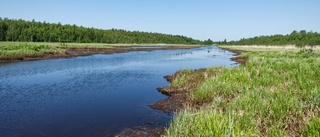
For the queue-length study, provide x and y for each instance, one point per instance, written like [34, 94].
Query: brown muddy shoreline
[237, 58]
[177, 99]
[75, 52]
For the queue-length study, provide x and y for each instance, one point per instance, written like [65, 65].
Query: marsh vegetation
[276, 93]
[19, 51]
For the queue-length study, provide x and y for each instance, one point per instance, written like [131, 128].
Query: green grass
[276, 93]
[19, 51]
[209, 122]
[82, 45]
[188, 78]
[312, 129]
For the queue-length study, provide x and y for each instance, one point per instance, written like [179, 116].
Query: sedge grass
[276, 93]
[18, 51]
[188, 78]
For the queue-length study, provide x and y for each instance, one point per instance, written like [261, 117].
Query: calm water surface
[96, 95]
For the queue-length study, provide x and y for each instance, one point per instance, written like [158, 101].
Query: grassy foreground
[276, 93]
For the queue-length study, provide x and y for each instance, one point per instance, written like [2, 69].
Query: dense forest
[32, 31]
[301, 38]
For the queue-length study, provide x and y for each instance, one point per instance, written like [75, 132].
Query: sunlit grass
[208, 122]
[187, 78]
[312, 129]
[19, 51]
[83, 46]
[276, 93]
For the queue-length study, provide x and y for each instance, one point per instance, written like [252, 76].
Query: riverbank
[19, 51]
[185, 81]
[272, 93]
[91, 86]
[182, 83]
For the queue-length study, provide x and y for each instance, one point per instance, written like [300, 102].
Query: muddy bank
[177, 98]
[74, 52]
[241, 60]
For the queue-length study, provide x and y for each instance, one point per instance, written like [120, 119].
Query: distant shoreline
[74, 50]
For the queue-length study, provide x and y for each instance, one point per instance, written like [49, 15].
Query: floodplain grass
[276, 93]
[188, 79]
[19, 51]
[83, 46]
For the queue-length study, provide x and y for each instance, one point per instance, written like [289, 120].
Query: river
[97, 95]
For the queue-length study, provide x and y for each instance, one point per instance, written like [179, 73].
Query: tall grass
[275, 94]
[209, 122]
[19, 51]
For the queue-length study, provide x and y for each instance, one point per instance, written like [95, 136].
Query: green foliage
[271, 95]
[31, 31]
[208, 122]
[207, 42]
[300, 39]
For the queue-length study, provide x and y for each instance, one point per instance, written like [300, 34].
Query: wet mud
[241, 60]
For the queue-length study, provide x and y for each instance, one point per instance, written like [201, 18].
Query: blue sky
[199, 19]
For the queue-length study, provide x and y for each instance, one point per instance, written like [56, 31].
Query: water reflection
[94, 95]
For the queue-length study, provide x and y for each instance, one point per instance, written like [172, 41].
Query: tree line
[301, 38]
[32, 31]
